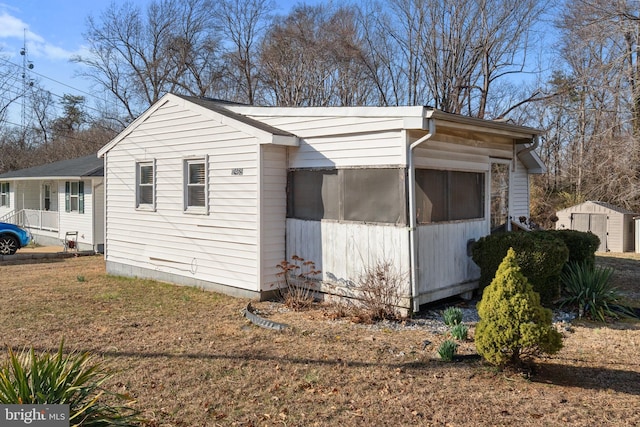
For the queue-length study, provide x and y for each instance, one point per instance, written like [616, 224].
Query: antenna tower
[27, 82]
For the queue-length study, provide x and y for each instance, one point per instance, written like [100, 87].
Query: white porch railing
[8, 217]
[41, 220]
[34, 219]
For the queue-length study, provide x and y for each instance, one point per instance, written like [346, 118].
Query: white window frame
[46, 196]
[5, 194]
[202, 210]
[146, 206]
[74, 197]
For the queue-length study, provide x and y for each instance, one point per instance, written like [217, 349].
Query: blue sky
[53, 32]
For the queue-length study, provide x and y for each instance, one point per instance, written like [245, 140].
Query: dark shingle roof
[217, 106]
[81, 167]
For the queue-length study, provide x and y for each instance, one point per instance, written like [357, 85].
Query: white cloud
[14, 28]
[49, 51]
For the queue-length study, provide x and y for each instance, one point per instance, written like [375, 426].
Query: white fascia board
[254, 111]
[289, 141]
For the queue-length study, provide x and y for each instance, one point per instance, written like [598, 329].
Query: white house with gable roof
[213, 194]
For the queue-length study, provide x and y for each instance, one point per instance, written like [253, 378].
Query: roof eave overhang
[288, 141]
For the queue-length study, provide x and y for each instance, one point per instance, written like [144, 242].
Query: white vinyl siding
[73, 220]
[220, 247]
[273, 202]
[343, 141]
[519, 195]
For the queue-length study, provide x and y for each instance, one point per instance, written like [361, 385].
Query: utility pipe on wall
[413, 250]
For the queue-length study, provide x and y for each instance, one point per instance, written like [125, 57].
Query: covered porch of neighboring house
[60, 203]
[36, 210]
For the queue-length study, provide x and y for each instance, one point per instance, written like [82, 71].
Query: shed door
[595, 223]
[598, 226]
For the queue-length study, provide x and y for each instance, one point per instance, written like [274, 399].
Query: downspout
[413, 250]
[535, 143]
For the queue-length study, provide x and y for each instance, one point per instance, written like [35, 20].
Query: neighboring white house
[612, 224]
[55, 199]
[214, 194]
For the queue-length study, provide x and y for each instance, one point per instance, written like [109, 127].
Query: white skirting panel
[344, 250]
[444, 267]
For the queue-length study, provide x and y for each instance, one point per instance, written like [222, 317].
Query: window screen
[374, 195]
[314, 194]
[145, 196]
[448, 195]
[370, 195]
[196, 195]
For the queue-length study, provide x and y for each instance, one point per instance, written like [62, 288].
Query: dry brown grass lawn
[190, 359]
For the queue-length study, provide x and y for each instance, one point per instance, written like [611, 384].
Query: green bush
[540, 256]
[589, 289]
[28, 378]
[513, 324]
[582, 245]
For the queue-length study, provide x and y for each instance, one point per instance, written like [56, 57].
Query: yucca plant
[29, 378]
[589, 289]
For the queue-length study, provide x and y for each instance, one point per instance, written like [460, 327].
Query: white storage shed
[612, 224]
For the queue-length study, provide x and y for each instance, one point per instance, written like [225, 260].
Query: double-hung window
[195, 182]
[74, 196]
[4, 194]
[145, 185]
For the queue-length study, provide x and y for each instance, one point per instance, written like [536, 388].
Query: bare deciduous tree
[138, 57]
[452, 53]
[313, 57]
[244, 23]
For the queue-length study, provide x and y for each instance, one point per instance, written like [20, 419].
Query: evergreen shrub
[582, 245]
[539, 254]
[513, 324]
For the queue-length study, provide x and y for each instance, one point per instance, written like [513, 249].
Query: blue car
[12, 238]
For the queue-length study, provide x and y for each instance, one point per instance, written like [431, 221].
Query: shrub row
[540, 254]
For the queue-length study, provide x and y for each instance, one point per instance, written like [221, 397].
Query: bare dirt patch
[191, 359]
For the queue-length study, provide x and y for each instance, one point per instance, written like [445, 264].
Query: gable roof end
[264, 133]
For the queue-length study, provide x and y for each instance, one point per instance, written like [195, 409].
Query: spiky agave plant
[72, 379]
